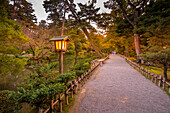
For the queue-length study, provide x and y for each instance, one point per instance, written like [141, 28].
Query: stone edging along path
[118, 88]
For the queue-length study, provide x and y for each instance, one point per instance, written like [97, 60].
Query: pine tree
[155, 25]
[21, 10]
[11, 39]
[77, 17]
[132, 12]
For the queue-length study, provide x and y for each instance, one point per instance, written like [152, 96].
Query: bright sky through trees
[40, 11]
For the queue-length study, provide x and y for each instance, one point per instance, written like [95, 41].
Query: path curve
[118, 88]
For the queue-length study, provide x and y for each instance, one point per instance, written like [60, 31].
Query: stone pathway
[117, 88]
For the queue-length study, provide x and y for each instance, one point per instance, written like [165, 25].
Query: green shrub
[6, 104]
[82, 66]
[66, 77]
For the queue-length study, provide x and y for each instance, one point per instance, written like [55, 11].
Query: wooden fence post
[75, 86]
[152, 76]
[156, 78]
[40, 110]
[71, 90]
[149, 74]
[66, 96]
[138, 67]
[163, 82]
[78, 83]
[51, 107]
[159, 81]
[146, 74]
[144, 71]
[84, 76]
[82, 79]
[141, 69]
[60, 103]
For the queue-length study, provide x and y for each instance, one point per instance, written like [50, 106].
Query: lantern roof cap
[65, 38]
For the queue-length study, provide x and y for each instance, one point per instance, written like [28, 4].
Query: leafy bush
[82, 66]
[37, 95]
[66, 77]
[6, 104]
[40, 87]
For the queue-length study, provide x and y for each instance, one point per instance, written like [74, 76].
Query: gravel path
[118, 88]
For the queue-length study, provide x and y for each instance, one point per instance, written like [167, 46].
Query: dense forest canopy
[138, 29]
[142, 20]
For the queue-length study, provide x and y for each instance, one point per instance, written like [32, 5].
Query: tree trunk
[62, 29]
[137, 45]
[87, 35]
[76, 54]
[14, 11]
[83, 29]
[165, 70]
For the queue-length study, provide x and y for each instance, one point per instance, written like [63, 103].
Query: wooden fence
[155, 78]
[74, 86]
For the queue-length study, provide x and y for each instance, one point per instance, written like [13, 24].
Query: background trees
[23, 41]
[84, 16]
[132, 12]
[156, 28]
[11, 39]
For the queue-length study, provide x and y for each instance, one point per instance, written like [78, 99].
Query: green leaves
[66, 77]
[40, 87]
[12, 39]
[82, 66]
[6, 103]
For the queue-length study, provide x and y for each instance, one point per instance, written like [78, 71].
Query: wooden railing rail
[157, 79]
[74, 86]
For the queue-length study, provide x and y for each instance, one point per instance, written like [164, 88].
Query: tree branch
[132, 5]
[124, 13]
[73, 12]
[143, 4]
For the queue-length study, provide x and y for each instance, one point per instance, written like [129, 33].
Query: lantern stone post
[60, 43]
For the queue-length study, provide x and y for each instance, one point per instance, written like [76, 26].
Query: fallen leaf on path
[122, 101]
[125, 98]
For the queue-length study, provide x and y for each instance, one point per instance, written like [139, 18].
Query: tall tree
[132, 11]
[87, 12]
[79, 39]
[21, 10]
[11, 39]
[155, 25]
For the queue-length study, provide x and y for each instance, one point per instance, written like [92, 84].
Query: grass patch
[155, 70]
[157, 82]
